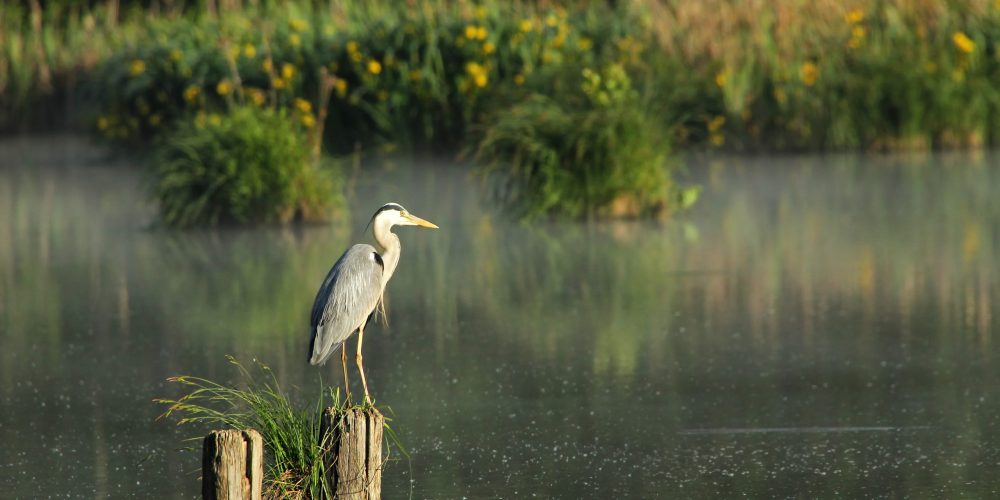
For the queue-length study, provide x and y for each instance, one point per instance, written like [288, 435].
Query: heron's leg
[360, 360]
[343, 362]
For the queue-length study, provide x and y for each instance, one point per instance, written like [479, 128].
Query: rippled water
[816, 326]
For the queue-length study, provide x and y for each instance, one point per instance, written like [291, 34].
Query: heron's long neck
[390, 250]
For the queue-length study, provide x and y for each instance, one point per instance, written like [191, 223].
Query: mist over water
[816, 326]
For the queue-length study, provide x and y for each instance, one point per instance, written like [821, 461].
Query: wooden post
[232, 466]
[353, 443]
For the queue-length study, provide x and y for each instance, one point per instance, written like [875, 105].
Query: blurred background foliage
[785, 75]
[502, 79]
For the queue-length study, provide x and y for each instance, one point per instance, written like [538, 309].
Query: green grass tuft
[291, 434]
[250, 165]
[589, 150]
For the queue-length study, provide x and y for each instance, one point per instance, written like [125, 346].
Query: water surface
[816, 326]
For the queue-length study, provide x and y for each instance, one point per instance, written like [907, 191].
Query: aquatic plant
[249, 165]
[589, 150]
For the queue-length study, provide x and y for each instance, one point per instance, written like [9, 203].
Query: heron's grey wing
[345, 299]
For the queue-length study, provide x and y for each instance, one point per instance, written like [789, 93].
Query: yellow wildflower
[809, 73]
[341, 86]
[176, 55]
[257, 96]
[519, 79]
[585, 44]
[963, 42]
[720, 78]
[308, 120]
[480, 79]
[855, 16]
[297, 25]
[278, 82]
[559, 39]
[779, 96]
[224, 87]
[526, 25]
[857, 36]
[473, 68]
[267, 65]
[551, 20]
[717, 139]
[374, 67]
[191, 93]
[470, 32]
[352, 46]
[294, 39]
[716, 123]
[214, 119]
[303, 105]
[481, 33]
[415, 75]
[136, 67]
[489, 48]
[249, 51]
[287, 71]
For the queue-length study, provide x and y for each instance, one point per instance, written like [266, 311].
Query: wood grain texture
[232, 465]
[354, 452]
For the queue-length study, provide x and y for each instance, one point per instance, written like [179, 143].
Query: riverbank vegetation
[569, 108]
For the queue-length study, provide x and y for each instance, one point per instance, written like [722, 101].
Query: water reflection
[558, 359]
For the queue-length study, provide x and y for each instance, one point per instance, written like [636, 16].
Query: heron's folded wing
[345, 299]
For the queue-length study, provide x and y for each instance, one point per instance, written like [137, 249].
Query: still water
[814, 327]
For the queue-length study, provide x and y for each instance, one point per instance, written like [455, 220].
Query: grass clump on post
[589, 150]
[296, 450]
[249, 165]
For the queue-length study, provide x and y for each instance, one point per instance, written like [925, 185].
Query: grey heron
[353, 289]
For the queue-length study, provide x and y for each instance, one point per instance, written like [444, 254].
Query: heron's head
[393, 214]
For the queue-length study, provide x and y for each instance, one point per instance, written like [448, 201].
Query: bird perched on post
[353, 289]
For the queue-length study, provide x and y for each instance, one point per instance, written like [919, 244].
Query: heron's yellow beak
[417, 221]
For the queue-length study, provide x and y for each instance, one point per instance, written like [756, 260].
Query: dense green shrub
[250, 165]
[590, 149]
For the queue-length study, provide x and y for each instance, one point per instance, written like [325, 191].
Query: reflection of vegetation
[245, 166]
[831, 291]
[251, 283]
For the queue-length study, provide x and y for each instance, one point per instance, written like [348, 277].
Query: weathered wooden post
[353, 443]
[232, 465]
